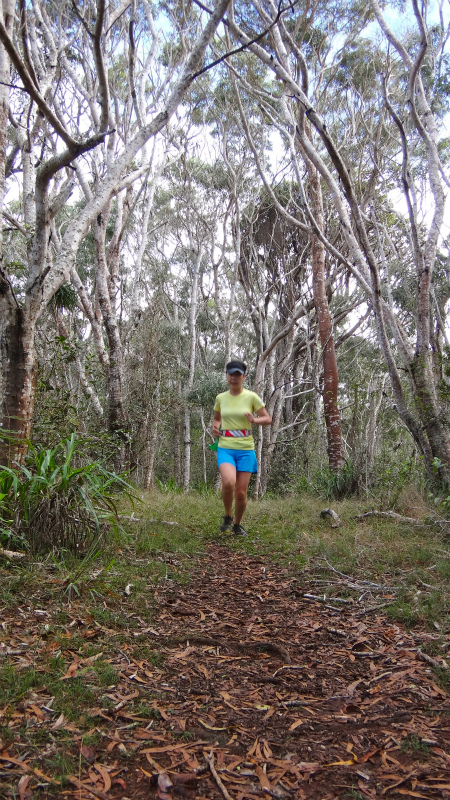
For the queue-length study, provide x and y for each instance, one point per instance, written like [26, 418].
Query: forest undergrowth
[302, 661]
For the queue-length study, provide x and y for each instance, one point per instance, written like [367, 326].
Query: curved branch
[102, 77]
[31, 88]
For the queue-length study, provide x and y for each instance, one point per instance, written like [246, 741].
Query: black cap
[236, 366]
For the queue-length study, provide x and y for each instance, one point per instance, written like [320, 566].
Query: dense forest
[182, 184]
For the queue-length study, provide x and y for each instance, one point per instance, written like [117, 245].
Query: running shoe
[227, 524]
[238, 530]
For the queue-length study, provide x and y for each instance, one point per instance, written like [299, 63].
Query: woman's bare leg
[242, 481]
[228, 475]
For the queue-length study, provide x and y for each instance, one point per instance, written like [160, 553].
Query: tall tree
[55, 114]
[409, 123]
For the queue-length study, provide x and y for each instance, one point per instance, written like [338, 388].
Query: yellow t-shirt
[232, 410]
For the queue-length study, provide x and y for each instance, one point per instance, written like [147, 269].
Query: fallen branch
[328, 512]
[210, 760]
[425, 657]
[324, 598]
[289, 667]
[390, 515]
[262, 646]
[360, 583]
[11, 553]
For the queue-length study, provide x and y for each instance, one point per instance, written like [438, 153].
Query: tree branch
[245, 46]
[32, 89]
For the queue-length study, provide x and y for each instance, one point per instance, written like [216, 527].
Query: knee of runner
[241, 493]
[229, 483]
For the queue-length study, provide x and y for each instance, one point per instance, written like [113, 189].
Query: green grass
[414, 746]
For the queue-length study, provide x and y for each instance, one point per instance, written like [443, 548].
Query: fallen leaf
[105, 775]
[58, 723]
[210, 727]
[71, 672]
[23, 783]
[263, 779]
[88, 752]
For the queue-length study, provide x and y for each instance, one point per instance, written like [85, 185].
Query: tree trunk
[376, 398]
[335, 448]
[19, 378]
[152, 438]
[117, 414]
[85, 386]
[177, 446]
[190, 380]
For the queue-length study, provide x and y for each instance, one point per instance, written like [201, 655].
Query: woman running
[234, 414]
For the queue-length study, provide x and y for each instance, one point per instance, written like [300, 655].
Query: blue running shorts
[243, 460]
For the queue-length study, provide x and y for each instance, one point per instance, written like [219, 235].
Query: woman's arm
[216, 424]
[262, 417]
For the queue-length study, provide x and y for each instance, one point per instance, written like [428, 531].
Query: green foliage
[56, 500]
[337, 485]
[206, 388]
[167, 486]
[65, 298]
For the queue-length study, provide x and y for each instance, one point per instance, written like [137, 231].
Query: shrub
[56, 501]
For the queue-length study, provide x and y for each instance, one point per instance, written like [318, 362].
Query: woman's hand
[216, 428]
[263, 417]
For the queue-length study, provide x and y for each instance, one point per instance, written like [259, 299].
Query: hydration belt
[235, 434]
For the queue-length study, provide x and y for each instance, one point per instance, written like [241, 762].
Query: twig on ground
[210, 760]
[264, 646]
[432, 661]
[324, 598]
[362, 584]
[391, 515]
[124, 655]
[287, 666]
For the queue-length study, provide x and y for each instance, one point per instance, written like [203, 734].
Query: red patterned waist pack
[236, 434]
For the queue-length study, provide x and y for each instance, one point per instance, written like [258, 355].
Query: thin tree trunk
[19, 379]
[117, 416]
[152, 438]
[376, 398]
[190, 380]
[335, 446]
[86, 388]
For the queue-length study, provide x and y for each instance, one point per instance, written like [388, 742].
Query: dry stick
[269, 647]
[391, 515]
[285, 667]
[210, 760]
[429, 660]
[380, 586]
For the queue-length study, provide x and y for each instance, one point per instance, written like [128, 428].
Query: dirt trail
[290, 698]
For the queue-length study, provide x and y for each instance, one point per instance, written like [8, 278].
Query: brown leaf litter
[263, 692]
